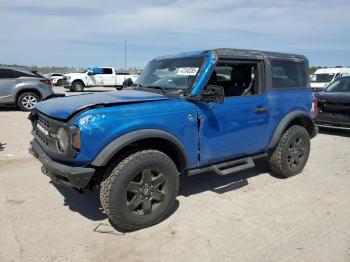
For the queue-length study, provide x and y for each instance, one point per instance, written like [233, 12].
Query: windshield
[322, 78]
[340, 85]
[173, 73]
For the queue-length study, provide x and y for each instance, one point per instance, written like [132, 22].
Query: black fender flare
[286, 120]
[121, 142]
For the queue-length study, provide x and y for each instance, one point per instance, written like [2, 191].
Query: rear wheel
[292, 152]
[128, 82]
[140, 190]
[60, 82]
[27, 101]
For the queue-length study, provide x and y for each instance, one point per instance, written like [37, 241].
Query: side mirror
[214, 94]
[91, 72]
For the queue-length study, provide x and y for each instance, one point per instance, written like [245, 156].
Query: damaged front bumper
[78, 177]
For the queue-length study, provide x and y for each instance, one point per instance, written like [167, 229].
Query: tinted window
[7, 73]
[56, 75]
[107, 71]
[19, 73]
[322, 78]
[340, 85]
[288, 74]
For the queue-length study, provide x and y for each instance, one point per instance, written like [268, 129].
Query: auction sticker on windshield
[187, 71]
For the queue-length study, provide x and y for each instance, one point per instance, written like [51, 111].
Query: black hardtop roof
[232, 52]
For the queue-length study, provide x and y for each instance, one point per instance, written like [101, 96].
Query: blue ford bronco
[215, 110]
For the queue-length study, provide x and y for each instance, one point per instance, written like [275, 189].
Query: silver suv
[23, 88]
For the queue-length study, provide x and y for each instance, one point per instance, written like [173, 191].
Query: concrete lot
[249, 216]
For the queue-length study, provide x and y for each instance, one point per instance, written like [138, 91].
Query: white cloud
[92, 32]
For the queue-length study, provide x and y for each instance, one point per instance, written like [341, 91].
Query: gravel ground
[248, 216]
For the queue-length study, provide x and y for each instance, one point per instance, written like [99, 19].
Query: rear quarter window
[288, 74]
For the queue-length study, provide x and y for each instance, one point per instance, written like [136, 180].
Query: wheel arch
[293, 118]
[28, 89]
[144, 138]
[78, 80]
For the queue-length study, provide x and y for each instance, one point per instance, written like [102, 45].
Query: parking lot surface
[247, 216]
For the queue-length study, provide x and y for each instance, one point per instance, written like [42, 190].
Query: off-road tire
[279, 156]
[26, 100]
[77, 86]
[120, 174]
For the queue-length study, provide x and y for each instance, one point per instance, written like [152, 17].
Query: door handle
[260, 109]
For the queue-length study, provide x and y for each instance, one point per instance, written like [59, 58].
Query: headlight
[63, 140]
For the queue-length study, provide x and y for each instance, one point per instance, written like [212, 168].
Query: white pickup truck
[98, 76]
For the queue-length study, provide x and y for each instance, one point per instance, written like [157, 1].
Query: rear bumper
[78, 177]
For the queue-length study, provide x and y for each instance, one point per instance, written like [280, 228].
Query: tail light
[46, 81]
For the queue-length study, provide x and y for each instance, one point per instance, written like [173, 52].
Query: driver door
[238, 126]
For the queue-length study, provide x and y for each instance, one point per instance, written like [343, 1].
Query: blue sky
[83, 33]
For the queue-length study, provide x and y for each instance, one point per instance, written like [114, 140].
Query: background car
[324, 76]
[334, 104]
[23, 88]
[56, 79]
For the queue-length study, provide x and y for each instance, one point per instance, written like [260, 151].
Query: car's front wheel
[27, 101]
[292, 152]
[139, 190]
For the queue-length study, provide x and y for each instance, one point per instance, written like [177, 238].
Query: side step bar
[229, 167]
[233, 166]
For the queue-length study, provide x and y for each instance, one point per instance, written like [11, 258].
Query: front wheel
[27, 101]
[78, 86]
[140, 190]
[292, 152]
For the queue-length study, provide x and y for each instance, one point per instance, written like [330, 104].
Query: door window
[6, 73]
[340, 85]
[107, 71]
[236, 79]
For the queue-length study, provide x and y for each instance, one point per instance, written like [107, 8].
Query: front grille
[46, 135]
[41, 137]
[44, 123]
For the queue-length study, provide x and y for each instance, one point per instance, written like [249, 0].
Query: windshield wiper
[162, 88]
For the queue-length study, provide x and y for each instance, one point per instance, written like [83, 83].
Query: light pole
[124, 60]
